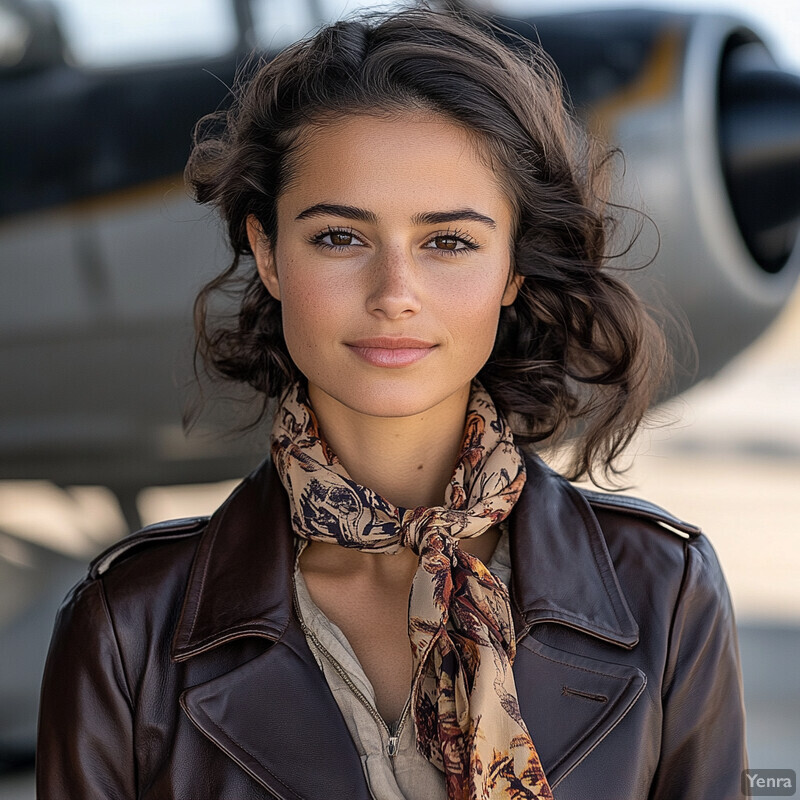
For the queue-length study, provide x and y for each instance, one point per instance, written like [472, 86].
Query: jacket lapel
[276, 718]
[570, 703]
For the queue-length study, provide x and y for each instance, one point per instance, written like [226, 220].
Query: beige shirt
[393, 767]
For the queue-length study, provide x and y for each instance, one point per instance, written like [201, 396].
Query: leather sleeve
[85, 739]
[703, 738]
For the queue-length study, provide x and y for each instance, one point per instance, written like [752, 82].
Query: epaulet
[162, 531]
[641, 508]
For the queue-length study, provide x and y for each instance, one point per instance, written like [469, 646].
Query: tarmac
[725, 455]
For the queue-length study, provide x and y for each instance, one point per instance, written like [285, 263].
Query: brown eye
[455, 243]
[447, 243]
[340, 238]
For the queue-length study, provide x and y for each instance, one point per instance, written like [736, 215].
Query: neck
[407, 460]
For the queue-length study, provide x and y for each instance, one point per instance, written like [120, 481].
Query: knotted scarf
[464, 699]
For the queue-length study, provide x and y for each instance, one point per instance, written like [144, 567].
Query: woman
[401, 603]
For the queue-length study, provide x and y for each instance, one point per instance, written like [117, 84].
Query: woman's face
[391, 263]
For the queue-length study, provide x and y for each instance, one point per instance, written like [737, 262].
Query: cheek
[475, 308]
[298, 307]
[484, 329]
[311, 309]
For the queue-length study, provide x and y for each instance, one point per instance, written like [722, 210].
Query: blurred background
[102, 252]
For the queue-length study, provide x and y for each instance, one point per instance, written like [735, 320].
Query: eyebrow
[337, 210]
[440, 217]
[425, 218]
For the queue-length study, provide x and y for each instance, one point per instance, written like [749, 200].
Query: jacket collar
[561, 568]
[241, 579]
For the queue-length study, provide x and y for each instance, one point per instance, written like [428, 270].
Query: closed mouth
[392, 343]
[391, 352]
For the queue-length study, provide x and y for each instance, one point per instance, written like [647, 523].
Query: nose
[394, 290]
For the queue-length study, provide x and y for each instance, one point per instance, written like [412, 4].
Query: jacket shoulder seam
[170, 530]
[643, 509]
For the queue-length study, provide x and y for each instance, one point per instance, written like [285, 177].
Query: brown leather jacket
[178, 668]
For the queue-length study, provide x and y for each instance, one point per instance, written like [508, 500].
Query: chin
[391, 397]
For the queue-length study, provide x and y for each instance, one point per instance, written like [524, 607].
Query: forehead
[392, 162]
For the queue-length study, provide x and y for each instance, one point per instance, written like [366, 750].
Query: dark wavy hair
[576, 354]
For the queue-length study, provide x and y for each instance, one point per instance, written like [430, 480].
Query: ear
[512, 289]
[264, 256]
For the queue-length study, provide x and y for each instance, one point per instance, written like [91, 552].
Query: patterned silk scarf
[464, 699]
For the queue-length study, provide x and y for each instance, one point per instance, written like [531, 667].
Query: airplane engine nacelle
[710, 131]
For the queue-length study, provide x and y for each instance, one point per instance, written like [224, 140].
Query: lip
[391, 352]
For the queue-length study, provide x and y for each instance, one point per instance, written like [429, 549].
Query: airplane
[102, 250]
